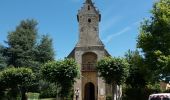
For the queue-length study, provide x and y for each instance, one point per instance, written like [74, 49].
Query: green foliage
[49, 71]
[137, 71]
[167, 91]
[109, 97]
[21, 43]
[140, 93]
[14, 79]
[63, 73]
[3, 59]
[48, 90]
[136, 94]
[154, 40]
[113, 69]
[23, 50]
[45, 51]
[154, 87]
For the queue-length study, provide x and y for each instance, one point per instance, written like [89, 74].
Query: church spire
[89, 2]
[89, 17]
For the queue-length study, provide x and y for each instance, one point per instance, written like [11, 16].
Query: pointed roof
[88, 4]
[89, 1]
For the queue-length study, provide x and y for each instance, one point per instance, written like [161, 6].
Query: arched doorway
[89, 93]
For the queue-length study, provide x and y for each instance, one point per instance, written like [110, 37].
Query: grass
[48, 99]
[35, 96]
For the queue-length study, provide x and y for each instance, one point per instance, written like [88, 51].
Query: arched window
[89, 60]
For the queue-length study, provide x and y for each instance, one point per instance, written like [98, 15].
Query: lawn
[48, 99]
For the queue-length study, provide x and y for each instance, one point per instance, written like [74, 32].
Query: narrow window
[89, 20]
[88, 7]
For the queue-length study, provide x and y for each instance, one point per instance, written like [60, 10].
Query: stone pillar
[101, 89]
[78, 83]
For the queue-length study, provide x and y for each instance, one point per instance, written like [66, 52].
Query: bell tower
[88, 50]
[89, 17]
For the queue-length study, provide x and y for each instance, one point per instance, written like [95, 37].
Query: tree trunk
[57, 92]
[13, 93]
[23, 91]
[119, 92]
[114, 91]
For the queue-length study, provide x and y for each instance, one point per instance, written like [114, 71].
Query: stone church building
[87, 52]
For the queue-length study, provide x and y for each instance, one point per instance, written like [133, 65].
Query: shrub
[109, 97]
[48, 90]
[138, 93]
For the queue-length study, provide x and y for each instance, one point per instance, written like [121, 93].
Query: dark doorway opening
[89, 91]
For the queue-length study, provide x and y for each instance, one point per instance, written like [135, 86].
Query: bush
[109, 97]
[14, 80]
[48, 90]
[138, 93]
[167, 91]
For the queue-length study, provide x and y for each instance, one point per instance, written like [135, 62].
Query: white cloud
[123, 31]
[110, 37]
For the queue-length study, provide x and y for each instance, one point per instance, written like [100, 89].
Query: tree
[24, 49]
[21, 43]
[154, 40]
[15, 79]
[136, 82]
[3, 58]
[45, 50]
[62, 73]
[113, 70]
[137, 71]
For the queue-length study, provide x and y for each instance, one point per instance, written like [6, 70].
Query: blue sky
[119, 25]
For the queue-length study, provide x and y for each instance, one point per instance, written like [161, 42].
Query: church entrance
[89, 91]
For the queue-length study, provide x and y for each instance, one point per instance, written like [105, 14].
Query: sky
[118, 29]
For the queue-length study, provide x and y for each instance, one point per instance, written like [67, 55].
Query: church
[88, 50]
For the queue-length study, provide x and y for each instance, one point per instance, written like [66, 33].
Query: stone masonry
[87, 52]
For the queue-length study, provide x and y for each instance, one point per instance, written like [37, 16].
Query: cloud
[123, 31]
[110, 37]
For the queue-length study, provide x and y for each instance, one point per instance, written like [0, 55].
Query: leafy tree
[45, 50]
[62, 73]
[154, 40]
[136, 82]
[24, 50]
[21, 43]
[15, 79]
[113, 70]
[137, 71]
[3, 58]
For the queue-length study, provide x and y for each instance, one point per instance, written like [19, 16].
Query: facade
[87, 52]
